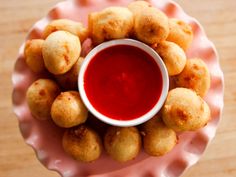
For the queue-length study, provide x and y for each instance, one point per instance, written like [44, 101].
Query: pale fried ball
[110, 23]
[181, 33]
[151, 26]
[73, 27]
[61, 50]
[96, 124]
[82, 143]
[122, 143]
[158, 138]
[137, 6]
[69, 80]
[33, 55]
[195, 76]
[173, 57]
[40, 96]
[68, 110]
[184, 110]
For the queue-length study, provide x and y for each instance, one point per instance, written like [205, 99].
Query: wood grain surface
[218, 17]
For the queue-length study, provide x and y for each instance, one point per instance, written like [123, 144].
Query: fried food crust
[184, 110]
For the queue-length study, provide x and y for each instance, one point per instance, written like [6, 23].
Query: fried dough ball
[82, 143]
[137, 6]
[173, 57]
[40, 96]
[33, 55]
[110, 23]
[180, 33]
[122, 143]
[69, 80]
[158, 138]
[184, 110]
[68, 110]
[73, 27]
[61, 50]
[195, 76]
[151, 26]
[96, 124]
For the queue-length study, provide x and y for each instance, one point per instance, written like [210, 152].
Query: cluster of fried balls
[59, 54]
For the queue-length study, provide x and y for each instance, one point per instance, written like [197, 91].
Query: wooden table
[219, 20]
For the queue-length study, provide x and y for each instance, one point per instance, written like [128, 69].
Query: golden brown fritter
[158, 138]
[110, 23]
[151, 26]
[173, 57]
[33, 55]
[68, 110]
[82, 143]
[181, 33]
[195, 76]
[73, 27]
[69, 80]
[40, 96]
[122, 143]
[184, 110]
[61, 50]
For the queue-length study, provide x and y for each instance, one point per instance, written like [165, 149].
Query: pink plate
[45, 137]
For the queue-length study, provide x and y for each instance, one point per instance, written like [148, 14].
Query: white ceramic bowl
[141, 46]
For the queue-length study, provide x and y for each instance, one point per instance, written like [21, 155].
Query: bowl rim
[128, 42]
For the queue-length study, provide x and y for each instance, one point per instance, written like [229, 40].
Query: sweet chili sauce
[123, 82]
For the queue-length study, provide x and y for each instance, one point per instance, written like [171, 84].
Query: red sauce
[123, 82]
